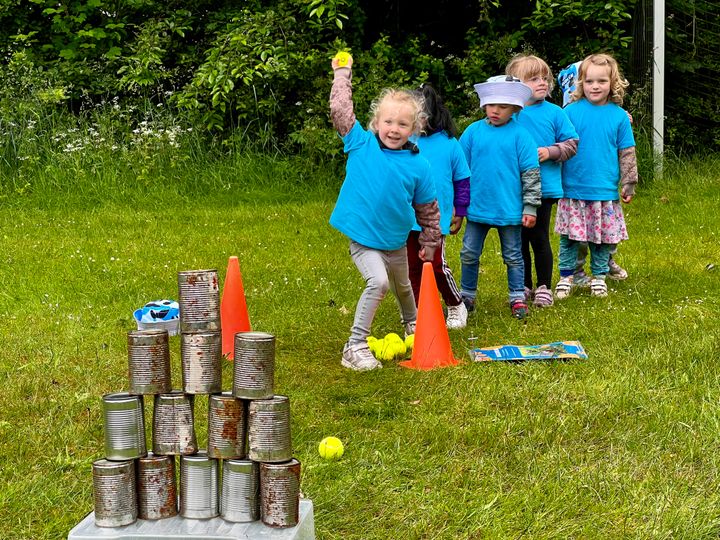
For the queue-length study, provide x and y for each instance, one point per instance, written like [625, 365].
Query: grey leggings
[382, 271]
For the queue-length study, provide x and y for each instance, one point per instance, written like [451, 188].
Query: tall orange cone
[233, 308]
[432, 342]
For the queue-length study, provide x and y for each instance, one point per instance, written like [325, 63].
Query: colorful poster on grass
[564, 350]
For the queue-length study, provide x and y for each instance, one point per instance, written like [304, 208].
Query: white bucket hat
[503, 89]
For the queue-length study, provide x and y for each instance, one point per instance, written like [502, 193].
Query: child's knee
[379, 284]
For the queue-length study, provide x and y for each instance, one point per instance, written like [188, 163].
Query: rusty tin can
[269, 430]
[240, 493]
[226, 426]
[198, 486]
[114, 493]
[201, 355]
[124, 426]
[156, 487]
[280, 493]
[254, 365]
[149, 362]
[199, 301]
[173, 425]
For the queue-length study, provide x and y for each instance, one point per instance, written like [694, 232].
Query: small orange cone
[233, 308]
[432, 342]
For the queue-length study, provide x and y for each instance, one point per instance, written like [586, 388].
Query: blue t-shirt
[374, 207]
[447, 165]
[548, 124]
[593, 173]
[497, 157]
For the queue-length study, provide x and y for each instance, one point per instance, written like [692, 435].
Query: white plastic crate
[178, 528]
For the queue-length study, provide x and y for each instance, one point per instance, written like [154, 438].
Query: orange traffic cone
[233, 308]
[432, 342]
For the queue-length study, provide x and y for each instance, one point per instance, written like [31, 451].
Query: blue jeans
[511, 247]
[599, 256]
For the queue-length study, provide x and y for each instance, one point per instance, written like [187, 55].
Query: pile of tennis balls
[391, 347]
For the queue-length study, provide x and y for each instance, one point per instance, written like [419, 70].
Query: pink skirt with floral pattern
[598, 222]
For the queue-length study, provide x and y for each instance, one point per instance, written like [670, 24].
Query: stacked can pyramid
[246, 473]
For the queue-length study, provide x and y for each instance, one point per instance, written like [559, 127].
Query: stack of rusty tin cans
[246, 473]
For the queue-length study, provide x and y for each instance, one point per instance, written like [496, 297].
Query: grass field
[622, 445]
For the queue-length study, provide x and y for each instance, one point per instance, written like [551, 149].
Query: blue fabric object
[548, 124]
[593, 174]
[497, 157]
[375, 204]
[567, 79]
[510, 245]
[158, 310]
[447, 165]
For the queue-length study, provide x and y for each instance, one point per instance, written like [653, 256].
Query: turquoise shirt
[447, 165]
[375, 204]
[593, 174]
[497, 157]
[548, 124]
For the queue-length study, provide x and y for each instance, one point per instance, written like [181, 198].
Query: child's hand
[456, 224]
[528, 221]
[627, 194]
[543, 154]
[335, 63]
[427, 253]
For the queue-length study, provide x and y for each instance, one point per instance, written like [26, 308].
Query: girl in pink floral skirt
[590, 210]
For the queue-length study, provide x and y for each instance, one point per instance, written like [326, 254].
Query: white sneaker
[563, 287]
[457, 317]
[598, 288]
[359, 357]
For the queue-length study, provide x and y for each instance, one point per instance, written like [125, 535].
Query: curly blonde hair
[618, 83]
[527, 66]
[405, 97]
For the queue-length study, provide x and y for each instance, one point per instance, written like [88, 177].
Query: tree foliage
[260, 69]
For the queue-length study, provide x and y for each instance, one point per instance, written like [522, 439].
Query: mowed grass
[623, 445]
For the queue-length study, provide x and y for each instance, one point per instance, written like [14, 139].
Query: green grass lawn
[623, 445]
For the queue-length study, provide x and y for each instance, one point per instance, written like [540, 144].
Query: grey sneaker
[581, 280]
[359, 357]
[457, 317]
[617, 272]
[543, 297]
[469, 303]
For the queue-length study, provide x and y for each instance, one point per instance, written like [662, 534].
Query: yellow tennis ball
[331, 448]
[392, 336]
[410, 341]
[375, 345]
[342, 58]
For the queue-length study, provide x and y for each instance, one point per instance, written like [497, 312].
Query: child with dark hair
[438, 144]
[504, 186]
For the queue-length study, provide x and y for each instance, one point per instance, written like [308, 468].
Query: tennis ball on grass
[331, 448]
[410, 342]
